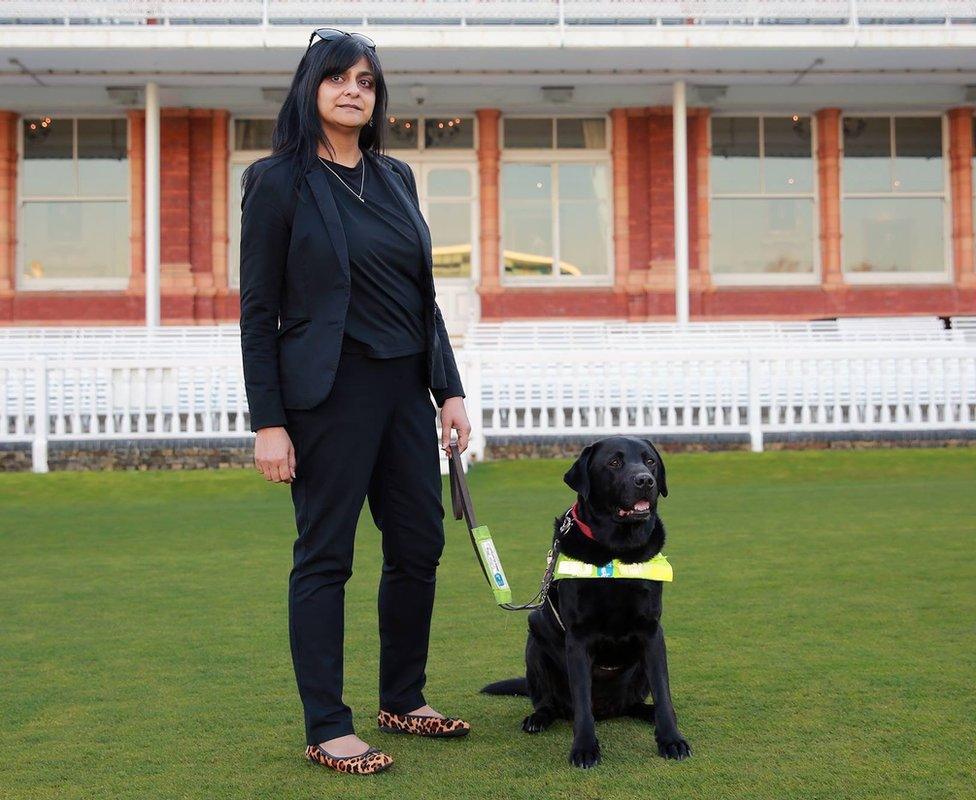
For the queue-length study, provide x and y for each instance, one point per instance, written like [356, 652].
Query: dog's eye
[614, 462]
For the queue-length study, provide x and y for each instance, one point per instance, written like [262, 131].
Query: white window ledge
[875, 278]
[72, 284]
[728, 279]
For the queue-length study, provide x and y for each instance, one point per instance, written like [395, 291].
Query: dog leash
[484, 547]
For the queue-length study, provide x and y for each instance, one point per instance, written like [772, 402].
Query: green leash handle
[484, 547]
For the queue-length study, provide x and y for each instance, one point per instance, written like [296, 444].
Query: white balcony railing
[751, 390]
[455, 12]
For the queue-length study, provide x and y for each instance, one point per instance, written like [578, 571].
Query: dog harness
[656, 569]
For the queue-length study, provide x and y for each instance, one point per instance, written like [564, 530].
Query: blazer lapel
[322, 193]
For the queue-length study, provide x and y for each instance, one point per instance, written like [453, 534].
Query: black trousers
[373, 437]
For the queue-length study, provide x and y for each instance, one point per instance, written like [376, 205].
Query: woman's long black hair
[298, 127]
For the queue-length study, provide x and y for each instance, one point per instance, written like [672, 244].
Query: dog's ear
[662, 487]
[578, 475]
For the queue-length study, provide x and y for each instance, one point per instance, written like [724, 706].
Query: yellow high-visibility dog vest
[657, 569]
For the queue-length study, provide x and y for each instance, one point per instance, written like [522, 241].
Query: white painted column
[152, 205]
[41, 418]
[680, 127]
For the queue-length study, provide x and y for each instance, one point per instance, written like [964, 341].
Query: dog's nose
[643, 479]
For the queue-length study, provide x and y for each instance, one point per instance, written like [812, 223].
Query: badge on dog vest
[657, 569]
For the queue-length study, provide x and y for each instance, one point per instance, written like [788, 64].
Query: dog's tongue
[640, 505]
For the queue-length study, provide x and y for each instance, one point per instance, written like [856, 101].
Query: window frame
[422, 148]
[890, 277]
[81, 284]
[812, 278]
[550, 156]
[421, 168]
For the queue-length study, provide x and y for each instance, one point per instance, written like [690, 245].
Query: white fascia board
[828, 37]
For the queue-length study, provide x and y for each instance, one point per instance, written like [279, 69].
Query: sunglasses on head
[331, 34]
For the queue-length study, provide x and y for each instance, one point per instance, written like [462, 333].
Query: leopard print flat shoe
[373, 760]
[422, 725]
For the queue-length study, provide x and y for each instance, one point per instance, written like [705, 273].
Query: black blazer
[295, 265]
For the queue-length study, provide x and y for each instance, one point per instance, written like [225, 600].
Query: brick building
[826, 166]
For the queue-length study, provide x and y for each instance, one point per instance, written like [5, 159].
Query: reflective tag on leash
[491, 564]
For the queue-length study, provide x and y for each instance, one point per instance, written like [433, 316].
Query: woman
[333, 243]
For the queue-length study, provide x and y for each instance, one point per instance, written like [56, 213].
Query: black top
[385, 317]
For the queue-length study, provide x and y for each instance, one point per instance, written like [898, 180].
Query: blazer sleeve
[265, 236]
[454, 387]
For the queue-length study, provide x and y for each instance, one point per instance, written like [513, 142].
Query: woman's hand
[454, 417]
[274, 454]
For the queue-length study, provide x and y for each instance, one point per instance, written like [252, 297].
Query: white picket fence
[755, 391]
[749, 390]
[94, 399]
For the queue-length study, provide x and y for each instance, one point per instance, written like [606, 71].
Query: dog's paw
[674, 746]
[585, 755]
[536, 722]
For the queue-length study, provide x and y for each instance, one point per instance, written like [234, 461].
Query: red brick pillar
[8, 210]
[194, 205]
[659, 177]
[699, 156]
[961, 188]
[619, 155]
[137, 202]
[176, 272]
[828, 179]
[220, 175]
[638, 210]
[660, 186]
[200, 167]
[489, 155]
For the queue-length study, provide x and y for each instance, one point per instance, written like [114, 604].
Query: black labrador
[597, 650]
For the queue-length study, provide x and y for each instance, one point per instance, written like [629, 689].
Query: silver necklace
[362, 184]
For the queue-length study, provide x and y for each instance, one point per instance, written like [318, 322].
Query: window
[430, 133]
[74, 203]
[762, 205]
[893, 208]
[448, 193]
[253, 134]
[547, 133]
[556, 214]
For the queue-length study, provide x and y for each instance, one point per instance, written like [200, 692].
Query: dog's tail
[518, 687]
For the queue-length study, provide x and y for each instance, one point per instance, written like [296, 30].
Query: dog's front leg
[670, 742]
[579, 665]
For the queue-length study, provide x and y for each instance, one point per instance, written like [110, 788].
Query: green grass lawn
[820, 633]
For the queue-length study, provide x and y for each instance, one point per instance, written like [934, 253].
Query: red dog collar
[579, 523]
